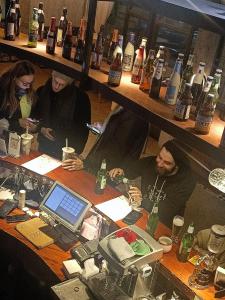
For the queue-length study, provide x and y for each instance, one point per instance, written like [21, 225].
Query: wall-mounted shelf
[128, 95]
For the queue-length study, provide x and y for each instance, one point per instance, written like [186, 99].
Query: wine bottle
[205, 116]
[153, 220]
[41, 22]
[128, 57]
[79, 51]
[10, 22]
[18, 18]
[112, 47]
[51, 37]
[183, 105]
[137, 67]
[67, 42]
[147, 72]
[62, 28]
[186, 244]
[101, 178]
[156, 80]
[115, 71]
[33, 29]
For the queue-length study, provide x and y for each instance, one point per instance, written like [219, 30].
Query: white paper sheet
[116, 209]
[42, 164]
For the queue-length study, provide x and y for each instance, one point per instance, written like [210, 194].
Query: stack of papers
[42, 164]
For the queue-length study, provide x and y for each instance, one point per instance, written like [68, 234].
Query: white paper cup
[67, 153]
[165, 243]
[26, 143]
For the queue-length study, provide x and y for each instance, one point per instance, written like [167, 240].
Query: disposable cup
[26, 143]
[67, 153]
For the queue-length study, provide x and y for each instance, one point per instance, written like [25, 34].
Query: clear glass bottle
[215, 86]
[137, 67]
[174, 84]
[198, 82]
[143, 44]
[101, 178]
[33, 29]
[115, 71]
[183, 105]
[186, 244]
[147, 71]
[203, 94]
[113, 45]
[153, 220]
[128, 57]
[41, 22]
[119, 47]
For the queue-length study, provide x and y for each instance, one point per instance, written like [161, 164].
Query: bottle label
[103, 183]
[182, 111]
[59, 35]
[33, 36]
[158, 71]
[136, 67]
[50, 41]
[114, 77]
[190, 59]
[171, 94]
[203, 122]
[10, 29]
[127, 62]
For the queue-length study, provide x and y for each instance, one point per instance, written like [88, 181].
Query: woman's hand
[48, 133]
[135, 196]
[116, 172]
[74, 164]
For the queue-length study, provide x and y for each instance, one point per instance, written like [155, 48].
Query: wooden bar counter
[46, 263]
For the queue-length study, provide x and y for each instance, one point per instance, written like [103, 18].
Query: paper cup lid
[68, 149]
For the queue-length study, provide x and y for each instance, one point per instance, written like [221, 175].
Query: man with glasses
[63, 111]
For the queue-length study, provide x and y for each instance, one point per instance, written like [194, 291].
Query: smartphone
[132, 217]
[93, 129]
[34, 121]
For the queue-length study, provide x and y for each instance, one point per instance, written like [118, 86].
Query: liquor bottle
[10, 22]
[215, 86]
[137, 67]
[147, 71]
[183, 105]
[119, 47]
[198, 82]
[153, 220]
[113, 45]
[156, 80]
[33, 29]
[115, 71]
[205, 116]
[62, 28]
[18, 18]
[41, 22]
[128, 57]
[51, 37]
[101, 178]
[99, 48]
[174, 84]
[186, 244]
[93, 61]
[160, 55]
[67, 42]
[187, 73]
[79, 51]
[203, 94]
[143, 44]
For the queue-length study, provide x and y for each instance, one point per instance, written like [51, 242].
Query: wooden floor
[100, 107]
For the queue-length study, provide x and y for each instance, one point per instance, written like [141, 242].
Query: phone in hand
[94, 129]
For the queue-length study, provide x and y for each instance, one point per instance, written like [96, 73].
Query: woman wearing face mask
[17, 97]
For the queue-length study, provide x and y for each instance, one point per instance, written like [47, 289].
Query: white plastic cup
[26, 143]
[21, 199]
[67, 153]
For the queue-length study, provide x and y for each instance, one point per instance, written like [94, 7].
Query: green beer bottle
[153, 220]
[101, 179]
[186, 244]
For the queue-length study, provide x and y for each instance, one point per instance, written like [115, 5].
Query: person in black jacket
[122, 138]
[17, 98]
[63, 111]
[166, 179]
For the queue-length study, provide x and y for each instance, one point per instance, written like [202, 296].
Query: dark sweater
[176, 189]
[67, 113]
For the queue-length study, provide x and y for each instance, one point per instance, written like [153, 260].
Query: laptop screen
[65, 206]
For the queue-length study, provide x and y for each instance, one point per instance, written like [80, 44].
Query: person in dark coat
[166, 179]
[122, 139]
[63, 110]
[17, 98]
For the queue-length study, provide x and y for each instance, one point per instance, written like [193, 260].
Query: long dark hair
[8, 84]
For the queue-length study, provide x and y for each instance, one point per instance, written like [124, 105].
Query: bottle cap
[219, 71]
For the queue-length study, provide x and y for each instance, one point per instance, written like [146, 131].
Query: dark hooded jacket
[171, 191]
[66, 112]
